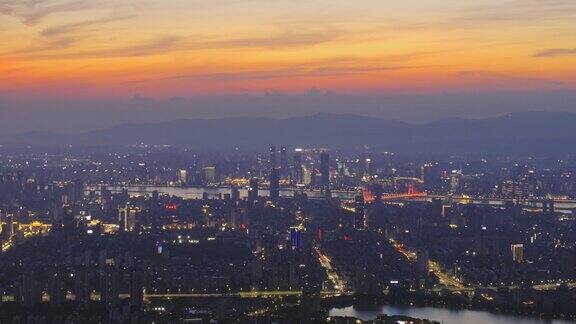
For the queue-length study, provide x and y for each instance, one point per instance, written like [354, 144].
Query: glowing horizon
[108, 49]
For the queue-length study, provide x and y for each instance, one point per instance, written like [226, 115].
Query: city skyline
[288, 161]
[167, 233]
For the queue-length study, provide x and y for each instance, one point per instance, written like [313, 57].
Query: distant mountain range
[518, 133]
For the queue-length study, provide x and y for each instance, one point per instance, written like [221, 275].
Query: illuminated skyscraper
[517, 252]
[207, 216]
[365, 165]
[127, 218]
[272, 159]
[183, 177]
[284, 161]
[455, 178]
[297, 176]
[306, 175]
[295, 237]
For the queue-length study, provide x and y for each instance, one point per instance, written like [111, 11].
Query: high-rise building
[77, 190]
[436, 208]
[431, 176]
[122, 215]
[30, 292]
[306, 175]
[57, 290]
[234, 217]
[359, 212]
[109, 288]
[9, 226]
[297, 176]
[183, 177]
[5, 236]
[235, 193]
[274, 184]
[272, 159]
[284, 161]
[455, 179]
[106, 198]
[82, 289]
[365, 165]
[295, 237]
[127, 217]
[517, 252]
[207, 216]
[56, 211]
[253, 191]
[325, 173]
[68, 218]
[136, 291]
[210, 175]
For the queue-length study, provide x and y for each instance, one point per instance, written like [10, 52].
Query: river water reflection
[441, 315]
[213, 192]
[218, 192]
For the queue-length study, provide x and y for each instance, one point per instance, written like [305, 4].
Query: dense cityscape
[145, 233]
[287, 162]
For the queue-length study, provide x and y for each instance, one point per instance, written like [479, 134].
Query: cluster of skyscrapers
[299, 173]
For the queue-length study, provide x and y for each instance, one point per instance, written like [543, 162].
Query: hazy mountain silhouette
[532, 132]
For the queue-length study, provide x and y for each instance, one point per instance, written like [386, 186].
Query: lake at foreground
[441, 315]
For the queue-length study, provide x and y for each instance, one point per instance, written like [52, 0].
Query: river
[441, 315]
[216, 192]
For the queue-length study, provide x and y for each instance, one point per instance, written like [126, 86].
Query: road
[453, 284]
[250, 294]
[340, 285]
[443, 277]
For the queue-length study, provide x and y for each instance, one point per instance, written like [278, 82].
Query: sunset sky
[112, 50]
